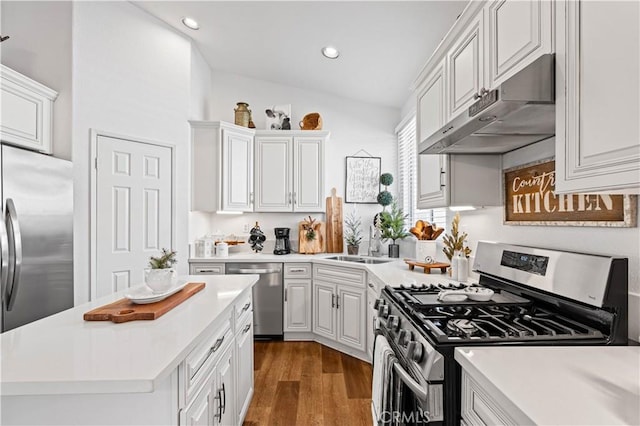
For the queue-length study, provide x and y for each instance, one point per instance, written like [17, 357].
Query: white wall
[353, 126]
[131, 76]
[487, 224]
[40, 48]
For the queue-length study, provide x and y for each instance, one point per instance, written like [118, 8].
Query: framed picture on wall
[362, 183]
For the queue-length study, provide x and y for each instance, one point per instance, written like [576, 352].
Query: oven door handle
[419, 391]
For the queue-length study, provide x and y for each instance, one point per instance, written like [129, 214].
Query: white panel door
[324, 313]
[237, 171]
[297, 305]
[433, 185]
[201, 412]
[133, 210]
[351, 317]
[465, 67]
[308, 171]
[273, 183]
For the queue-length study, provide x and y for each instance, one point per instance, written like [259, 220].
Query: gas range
[506, 317]
[540, 297]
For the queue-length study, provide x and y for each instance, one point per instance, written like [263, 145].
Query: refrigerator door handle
[12, 292]
[4, 269]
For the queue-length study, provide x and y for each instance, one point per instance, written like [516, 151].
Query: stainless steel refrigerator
[36, 236]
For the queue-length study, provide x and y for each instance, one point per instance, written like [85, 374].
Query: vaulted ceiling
[383, 44]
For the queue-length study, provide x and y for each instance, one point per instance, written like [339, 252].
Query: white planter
[159, 280]
[424, 249]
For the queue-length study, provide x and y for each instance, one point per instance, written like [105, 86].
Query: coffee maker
[283, 246]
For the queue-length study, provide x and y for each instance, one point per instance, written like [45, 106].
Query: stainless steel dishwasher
[267, 297]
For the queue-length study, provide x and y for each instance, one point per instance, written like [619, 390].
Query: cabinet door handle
[219, 398]
[251, 197]
[371, 285]
[289, 197]
[285, 294]
[217, 344]
[246, 328]
[294, 197]
[224, 400]
[333, 302]
[442, 176]
[245, 307]
[338, 301]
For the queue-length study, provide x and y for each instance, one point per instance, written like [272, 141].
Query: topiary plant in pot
[393, 227]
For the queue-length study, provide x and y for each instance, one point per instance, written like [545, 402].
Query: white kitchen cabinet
[339, 305]
[26, 113]
[351, 310]
[244, 365]
[222, 167]
[297, 297]
[459, 180]
[289, 171]
[479, 407]
[324, 316]
[225, 389]
[206, 268]
[201, 412]
[432, 109]
[518, 32]
[597, 102]
[465, 67]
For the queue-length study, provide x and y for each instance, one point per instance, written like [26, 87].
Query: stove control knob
[393, 323]
[414, 351]
[378, 303]
[383, 311]
[404, 337]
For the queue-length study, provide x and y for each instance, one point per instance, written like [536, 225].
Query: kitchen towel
[383, 360]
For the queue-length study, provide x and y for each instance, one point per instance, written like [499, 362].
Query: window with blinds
[408, 177]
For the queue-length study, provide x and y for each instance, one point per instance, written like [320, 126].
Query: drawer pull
[207, 270]
[246, 328]
[217, 344]
[247, 306]
[297, 270]
[371, 285]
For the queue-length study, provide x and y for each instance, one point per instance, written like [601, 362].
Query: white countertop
[557, 385]
[63, 354]
[392, 273]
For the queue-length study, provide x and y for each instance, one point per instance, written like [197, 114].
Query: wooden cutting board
[427, 266]
[334, 223]
[124, 310]
[314, 246]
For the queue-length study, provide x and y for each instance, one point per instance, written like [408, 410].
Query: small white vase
[159, 280]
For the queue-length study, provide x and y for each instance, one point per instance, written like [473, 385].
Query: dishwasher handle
[252, 271]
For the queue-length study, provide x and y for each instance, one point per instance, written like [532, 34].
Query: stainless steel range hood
[519, 112]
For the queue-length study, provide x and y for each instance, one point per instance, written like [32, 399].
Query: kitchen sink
[358, 259]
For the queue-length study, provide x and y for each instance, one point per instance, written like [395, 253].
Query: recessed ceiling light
[330, 52]
[190, 23]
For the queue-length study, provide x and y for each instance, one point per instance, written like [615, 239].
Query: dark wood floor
[305, 383]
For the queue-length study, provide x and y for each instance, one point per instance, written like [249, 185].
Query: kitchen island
[64, 370]
[576, 385]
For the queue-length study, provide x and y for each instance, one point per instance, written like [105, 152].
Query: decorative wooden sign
[530, 199]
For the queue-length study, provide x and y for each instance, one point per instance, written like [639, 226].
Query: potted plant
[160, 275]
[392, 225]
[353, 233]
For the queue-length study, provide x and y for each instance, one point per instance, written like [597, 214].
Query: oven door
[406, 398]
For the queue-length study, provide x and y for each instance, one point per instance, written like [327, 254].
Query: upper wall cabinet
[290, 171]
[431, 103]
[26, 113]
[222, 167]
[517, 33]
[465, 67]
[597, 104]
